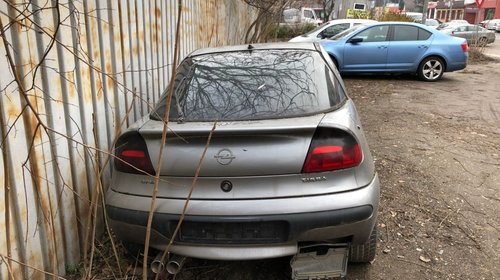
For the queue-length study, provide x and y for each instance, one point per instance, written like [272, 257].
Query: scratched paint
[111, 61]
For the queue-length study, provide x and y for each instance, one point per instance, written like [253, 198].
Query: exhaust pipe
[157, 265]
[175, 263]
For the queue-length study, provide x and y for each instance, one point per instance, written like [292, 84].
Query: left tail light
[132, 154]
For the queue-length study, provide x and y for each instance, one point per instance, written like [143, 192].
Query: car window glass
[423, 34]
[335, 29]
[308, 14]
[461, 29]
[251, 85]
[374, 34]
[405, 33]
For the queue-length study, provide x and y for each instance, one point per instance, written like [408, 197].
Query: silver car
[474, 34]
[287, 166]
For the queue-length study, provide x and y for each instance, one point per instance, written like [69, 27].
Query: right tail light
[332, 149]
[465, 47]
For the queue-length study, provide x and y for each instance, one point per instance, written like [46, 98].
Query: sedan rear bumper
[346, 217]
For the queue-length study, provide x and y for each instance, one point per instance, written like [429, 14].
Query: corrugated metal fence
[88, 69]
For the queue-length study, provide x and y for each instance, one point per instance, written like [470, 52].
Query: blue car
[397, 47]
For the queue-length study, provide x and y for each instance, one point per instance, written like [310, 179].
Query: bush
[306, 28]
[395, 17]
[287, 31]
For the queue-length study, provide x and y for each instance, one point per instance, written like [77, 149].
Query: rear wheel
[482, 41]
[365, 252]
[431, 69]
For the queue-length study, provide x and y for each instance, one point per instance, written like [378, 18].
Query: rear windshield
[251, 85]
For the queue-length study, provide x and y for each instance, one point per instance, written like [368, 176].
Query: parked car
[492, 24]
[287, 164]
[432, 23]
[458, 21]
[397, 47]
[301, 16]
[474, 34]
[329, 29]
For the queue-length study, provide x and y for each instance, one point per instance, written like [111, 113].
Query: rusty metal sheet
[108, 57]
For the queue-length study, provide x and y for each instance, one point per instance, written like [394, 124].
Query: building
[447, 10]
[489, 10]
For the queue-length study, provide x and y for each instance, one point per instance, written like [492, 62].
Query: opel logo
[224, 156]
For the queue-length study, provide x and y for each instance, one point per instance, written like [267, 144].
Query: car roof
[349, 20]
[265, 46]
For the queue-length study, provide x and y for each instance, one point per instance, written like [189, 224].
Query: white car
[330, 29]
[492, 24]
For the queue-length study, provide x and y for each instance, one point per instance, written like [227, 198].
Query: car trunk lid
[237, 148]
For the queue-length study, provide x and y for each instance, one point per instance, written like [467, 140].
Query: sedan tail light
[465, 47]
[132, 155]
[332, 149]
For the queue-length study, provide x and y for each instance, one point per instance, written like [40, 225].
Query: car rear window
[250, 85]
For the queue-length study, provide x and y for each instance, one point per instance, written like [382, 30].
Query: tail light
[132, 155]
[332, 149]
[465, 47]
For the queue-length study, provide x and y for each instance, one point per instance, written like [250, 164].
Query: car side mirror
[356, 40]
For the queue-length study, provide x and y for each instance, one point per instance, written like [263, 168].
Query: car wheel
[365, 252]
[482, 42]
[431, 69]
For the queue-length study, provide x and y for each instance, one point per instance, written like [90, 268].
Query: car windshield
[315, 29]
[250, 85]
[346, 32]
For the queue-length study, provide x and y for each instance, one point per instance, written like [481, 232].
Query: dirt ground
[437, 151]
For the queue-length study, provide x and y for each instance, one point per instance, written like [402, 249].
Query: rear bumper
[268, 228]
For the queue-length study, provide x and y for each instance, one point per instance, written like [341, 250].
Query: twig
[466, 170]
[458, 210]
[162, 145]
[31, 267]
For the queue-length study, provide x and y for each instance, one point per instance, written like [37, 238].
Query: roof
[266, 46]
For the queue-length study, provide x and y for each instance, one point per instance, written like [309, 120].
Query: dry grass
[477, 55]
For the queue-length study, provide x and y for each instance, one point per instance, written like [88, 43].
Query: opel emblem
[224, 156]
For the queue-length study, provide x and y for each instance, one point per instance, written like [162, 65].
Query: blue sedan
[397, 47]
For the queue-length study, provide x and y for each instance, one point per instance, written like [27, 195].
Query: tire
[366, 252]
[431, 69]
[482, 42]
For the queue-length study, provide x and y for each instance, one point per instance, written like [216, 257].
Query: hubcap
[432, 69]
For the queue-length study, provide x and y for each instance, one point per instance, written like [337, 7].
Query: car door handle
[382, 47]
[423, 47]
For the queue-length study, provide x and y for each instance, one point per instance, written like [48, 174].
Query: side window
[473, 28]
[308, 14]
[405, 33]
[461, 29]
[374, 34]
[423, 34]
